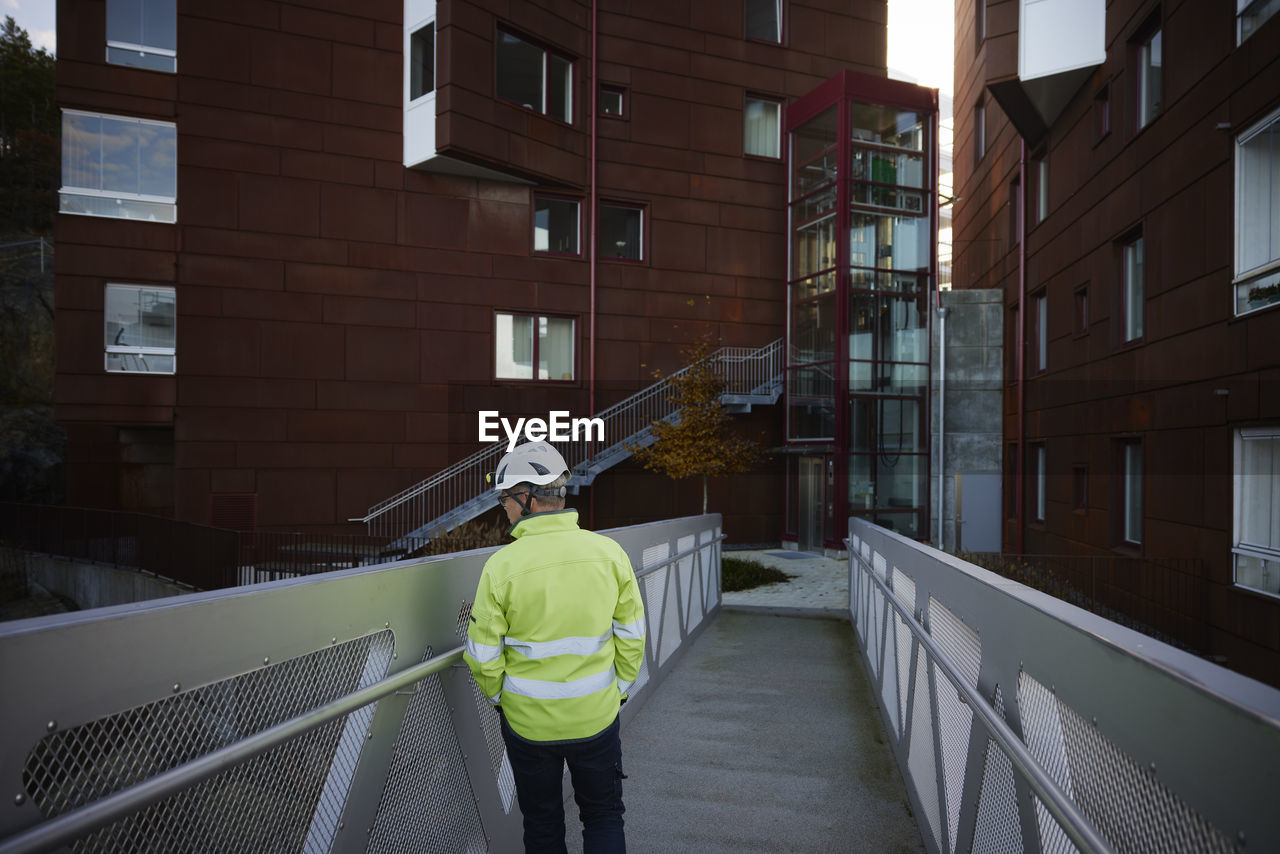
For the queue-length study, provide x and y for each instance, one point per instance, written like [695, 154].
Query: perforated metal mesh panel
[1126, 800]
[497, 748]
[1042, 732]
[904, 590]
[690, 583]
[997, 829]
[427, 805]
[921, 760]
[281, 800]
[902, 640]
[962, 648]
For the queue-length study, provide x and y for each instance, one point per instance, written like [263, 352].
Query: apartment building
[302, 244]
[1118, 168]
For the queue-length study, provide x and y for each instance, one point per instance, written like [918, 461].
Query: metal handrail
[1077, 826]
[68, 827]
[623, 422]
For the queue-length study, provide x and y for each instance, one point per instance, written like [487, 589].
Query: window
[979, 132]
[979, 22]
[535, 78]
[1257, 282]
[621, 232]
[762, 127]
[1039, 469]
[1256, 552]
[1102, 112]
[1081, 314]
[613, 101]
[1131, 492]
[1150, 67]
[1041, 187]
[1252, 15]
[522, 341]
[143, 33]
[1041, 332]
[555, 225]
[119, 167]
[1131, 300]
[1080, 488]
[139, 329]
[1015, 211]
[764, 20]
[422, 62]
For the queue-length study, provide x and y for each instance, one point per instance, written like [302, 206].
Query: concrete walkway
[820, 584]
[764, 738]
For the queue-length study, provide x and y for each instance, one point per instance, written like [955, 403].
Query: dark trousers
[595, 767]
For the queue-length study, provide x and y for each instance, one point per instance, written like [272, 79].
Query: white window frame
[547, 53]
[1239, 548]
[537, 318]
[1133, 288]
[138, 353]
[165, 206]
[1267, 274]
[145, 49]
[749, 99]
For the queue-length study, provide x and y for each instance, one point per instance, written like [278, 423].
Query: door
[811, 503]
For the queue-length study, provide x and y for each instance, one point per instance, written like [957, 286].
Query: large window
[523, 342]
[1257, 282]
[1131, 290]
[119, 167]
[143, 33]
[979, 132]
[1150, 75]
[555, 225]
[762, 127]
[1039, 468]
[620, 233]
[422, 61]
[764, 20]
[1041, 362]
[1251, 14]
[1131, 492]
[534, 77]
[1256, 548]
[140, 331]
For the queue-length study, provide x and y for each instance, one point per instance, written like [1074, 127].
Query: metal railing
[311, 714]
[1023, 723]
[457, 493]
[197, 555]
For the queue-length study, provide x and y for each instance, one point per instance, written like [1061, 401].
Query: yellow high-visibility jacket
[557, 629]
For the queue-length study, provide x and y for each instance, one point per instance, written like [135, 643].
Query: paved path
[764, 738]
[820, 584]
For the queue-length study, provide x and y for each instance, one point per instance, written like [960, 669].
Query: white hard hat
[533, 462]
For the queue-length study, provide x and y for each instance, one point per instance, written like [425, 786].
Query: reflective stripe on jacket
[557, 629]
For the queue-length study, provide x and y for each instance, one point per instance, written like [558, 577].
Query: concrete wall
[973, 386]
[94, 586]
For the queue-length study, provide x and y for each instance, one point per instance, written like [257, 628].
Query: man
[555, 641]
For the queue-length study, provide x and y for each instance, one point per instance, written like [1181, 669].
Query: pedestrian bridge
[955, 711]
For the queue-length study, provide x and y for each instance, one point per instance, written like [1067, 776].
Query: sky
[920, 34]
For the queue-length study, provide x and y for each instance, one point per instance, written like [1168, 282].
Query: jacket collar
[545, 522]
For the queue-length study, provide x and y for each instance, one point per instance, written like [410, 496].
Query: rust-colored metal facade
[335, 311]
[1198, 373]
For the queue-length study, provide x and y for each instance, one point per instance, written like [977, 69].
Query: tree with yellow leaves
[698, 441]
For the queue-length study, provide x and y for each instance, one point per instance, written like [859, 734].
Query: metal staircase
[457, 493]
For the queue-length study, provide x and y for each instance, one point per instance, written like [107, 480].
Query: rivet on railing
[386, 625]
[177, 686]
[333, 640]
[341, 825]
[1240, 837]
[20, 799]
[369, 734]
[51, 726]
[1153, 767]
[266, 660]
